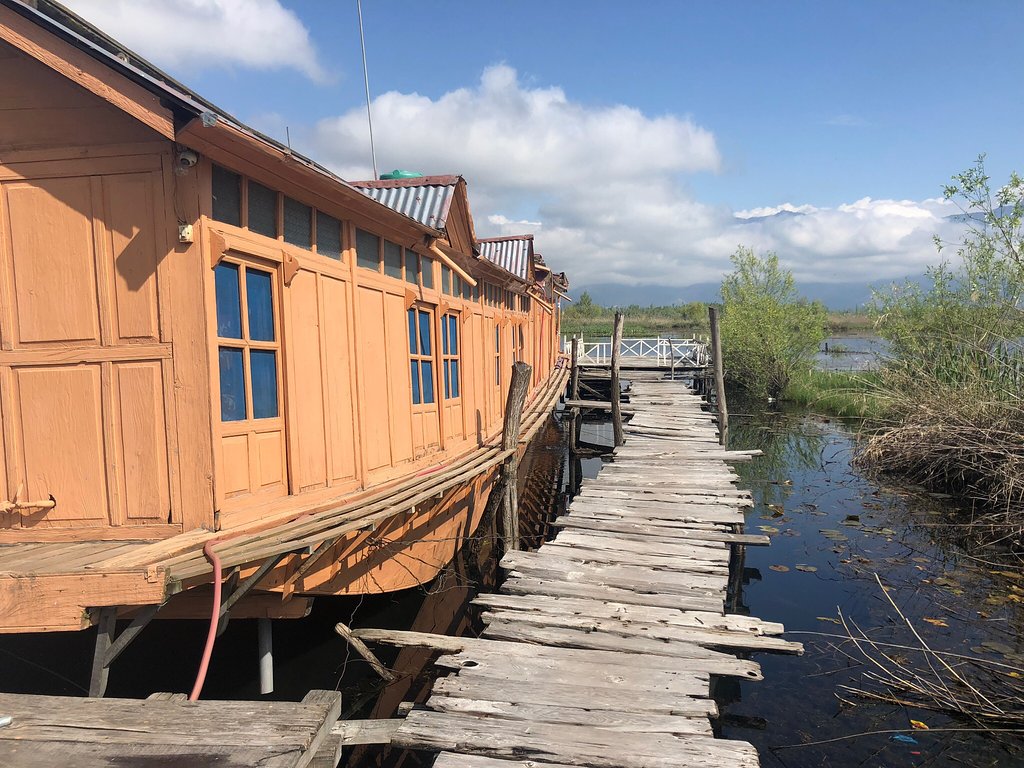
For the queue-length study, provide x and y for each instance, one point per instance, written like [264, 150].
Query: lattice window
[421, 361]
[450, 355]
[247, 343]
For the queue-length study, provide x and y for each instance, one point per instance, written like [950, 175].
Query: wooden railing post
[615, 395]
[672, 357]
[521, 373]
[716, 358]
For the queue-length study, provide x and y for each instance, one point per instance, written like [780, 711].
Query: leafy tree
[768, 330]
[586, 307]
[965, 324]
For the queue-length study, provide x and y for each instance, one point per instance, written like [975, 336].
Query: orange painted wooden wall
[98, 408]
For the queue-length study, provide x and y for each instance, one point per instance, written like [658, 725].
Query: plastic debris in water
[902, 738]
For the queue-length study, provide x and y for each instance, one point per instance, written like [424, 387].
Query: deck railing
[659, 351]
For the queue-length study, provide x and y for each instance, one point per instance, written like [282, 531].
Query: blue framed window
[421, 361]
[450, 355]
[247, 343]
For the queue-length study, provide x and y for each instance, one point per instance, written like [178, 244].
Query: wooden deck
[600, 647]
[164, 730]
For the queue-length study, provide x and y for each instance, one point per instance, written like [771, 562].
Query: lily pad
[768, 529]
[805, 568]
[779, 568]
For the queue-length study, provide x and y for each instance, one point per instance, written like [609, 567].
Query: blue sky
[854, 112]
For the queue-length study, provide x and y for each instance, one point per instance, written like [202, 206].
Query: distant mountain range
[837, 296]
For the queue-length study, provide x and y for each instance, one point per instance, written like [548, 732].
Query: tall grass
[846, 394]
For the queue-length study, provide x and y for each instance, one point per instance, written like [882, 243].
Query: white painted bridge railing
[657, 351]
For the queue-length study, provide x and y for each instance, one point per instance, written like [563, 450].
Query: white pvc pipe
[265, 641]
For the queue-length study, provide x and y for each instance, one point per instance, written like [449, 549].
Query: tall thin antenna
[366, 81]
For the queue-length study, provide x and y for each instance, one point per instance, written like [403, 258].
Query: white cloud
[510, 138]
[603, 188]
[191, 35]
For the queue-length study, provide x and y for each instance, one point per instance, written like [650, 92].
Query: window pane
[232, 385]
[263, 373]
[262, 210]
[467, 291]
[260, 297]
[413, 346]
[227, 196]
[392, 260]
[447, 385]
[428, 381]
[476, 292]
[424, 333]
[328, 235]
[456, 285]
[427, 268]
[446, 280]
[455, 378]
[412, 267]
[298, 226]
[229, 310]
[444, 335]
[453, 344]
[414, 369]
[367, 250]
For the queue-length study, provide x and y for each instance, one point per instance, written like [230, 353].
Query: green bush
[768, 331]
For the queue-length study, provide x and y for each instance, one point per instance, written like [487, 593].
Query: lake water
[833, 532]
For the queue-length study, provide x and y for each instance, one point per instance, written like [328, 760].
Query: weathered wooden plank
[610, 556]
[607, 609]
[570, 744]
[354, 732]
[616, 574]
[709, 638]
[535, 586]
[630, 722]
[709, 551]
[689, 654]
[567, 521]
[271, 734]
[630, 675]
[482, 688]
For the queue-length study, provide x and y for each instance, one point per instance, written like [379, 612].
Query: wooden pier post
[615, 394]
[521, 373]
[574, 376]
[716, 355]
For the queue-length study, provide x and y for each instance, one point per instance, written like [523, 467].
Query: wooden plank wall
[87, 363]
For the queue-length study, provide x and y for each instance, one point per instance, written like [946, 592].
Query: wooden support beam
[104, 639]
[615, 394]
[716, 354]
[520, 384]
[574, 379]
[139, 622]
[366, 653]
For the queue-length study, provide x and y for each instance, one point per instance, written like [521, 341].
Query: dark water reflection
[844, 529]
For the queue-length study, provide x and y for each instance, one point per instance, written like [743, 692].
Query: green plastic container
[397, 174]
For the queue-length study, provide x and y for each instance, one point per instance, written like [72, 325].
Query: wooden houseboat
[219, 358]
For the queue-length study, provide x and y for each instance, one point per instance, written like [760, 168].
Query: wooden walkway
[165, 730]
[600, 647]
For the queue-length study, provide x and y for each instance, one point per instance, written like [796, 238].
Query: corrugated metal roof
[513, 254]
[427, 199]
